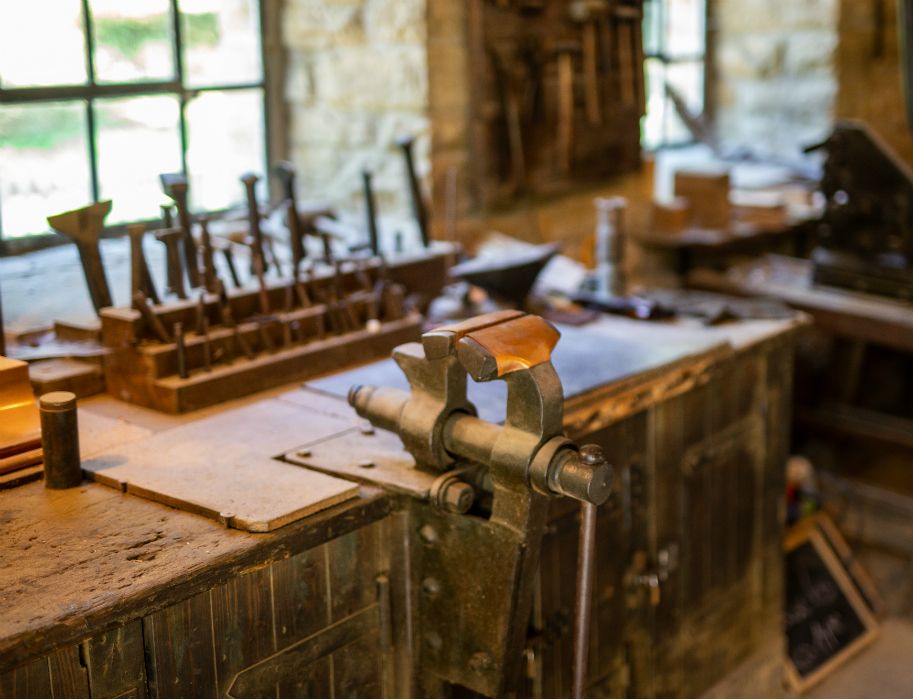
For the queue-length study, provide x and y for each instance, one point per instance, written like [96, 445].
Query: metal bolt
[304, 453]
[592, 455]
[458, 496]
[431, 586]
[366, 464]
[428, 534]
[480, 661]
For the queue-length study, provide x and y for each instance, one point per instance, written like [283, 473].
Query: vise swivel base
[477, 567]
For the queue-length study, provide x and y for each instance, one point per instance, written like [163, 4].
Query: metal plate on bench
[370, 457]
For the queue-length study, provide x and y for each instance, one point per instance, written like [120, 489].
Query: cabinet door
[721, 572]
[618, 638]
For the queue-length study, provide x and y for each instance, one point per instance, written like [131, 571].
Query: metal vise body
[477, 574]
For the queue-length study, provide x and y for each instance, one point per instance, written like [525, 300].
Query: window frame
[705, 57]
[272, 61]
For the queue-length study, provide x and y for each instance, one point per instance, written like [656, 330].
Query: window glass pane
[652, 123]
[688, 81]
[225, 139]
[652, 26]
[138, 138]
[41, 43]
[44, 164]
[221, 41]
[132, 40]
[684, 27]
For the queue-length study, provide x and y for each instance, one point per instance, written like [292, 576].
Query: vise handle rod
[563, 471]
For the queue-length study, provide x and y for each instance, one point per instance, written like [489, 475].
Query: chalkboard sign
[826, 619]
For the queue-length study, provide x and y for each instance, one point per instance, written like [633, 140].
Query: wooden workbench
[858, 322]
[104, 593]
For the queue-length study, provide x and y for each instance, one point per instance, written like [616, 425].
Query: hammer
[285, 171]
[418, 201]
[370, 212]
[209, 264]
[171, 238]
[176, 187]
[84, 227]
[253, 214]
[140, 278]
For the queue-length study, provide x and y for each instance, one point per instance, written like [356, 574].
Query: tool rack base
[243, 376]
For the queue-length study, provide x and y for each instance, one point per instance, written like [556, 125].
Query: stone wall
[356, 78]
[776, 82]
[868, 67]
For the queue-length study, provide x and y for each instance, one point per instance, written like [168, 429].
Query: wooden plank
[222, 467]
[33, 680]
[68, 676]
[309, 680]
[66, 374]
[19, 428]
[304, 659]
[352, 566]
[300, 595]
[179, 647]
[115, 661]
[242, 627]
[357, 669]
[866, 317]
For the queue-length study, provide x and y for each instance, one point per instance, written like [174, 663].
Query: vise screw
[438, 425]
[479, 570]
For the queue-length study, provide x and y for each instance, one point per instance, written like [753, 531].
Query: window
[674, 50]
[98, 97]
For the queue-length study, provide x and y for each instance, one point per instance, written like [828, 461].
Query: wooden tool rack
[311, 327]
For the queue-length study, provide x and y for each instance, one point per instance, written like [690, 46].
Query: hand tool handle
[370, 212]
[191, 259]
[90, 256]
[180, 350]
[253, 214]
[415, 191]
[60, 440]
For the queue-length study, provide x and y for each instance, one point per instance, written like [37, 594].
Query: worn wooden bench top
[76, 562]
[866, 317]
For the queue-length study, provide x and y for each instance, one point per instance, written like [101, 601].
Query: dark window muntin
[92, 90]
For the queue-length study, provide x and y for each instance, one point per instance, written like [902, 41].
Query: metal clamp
[438, 424]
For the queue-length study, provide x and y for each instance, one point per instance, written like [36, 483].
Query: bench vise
[476, 567]
[438, 424]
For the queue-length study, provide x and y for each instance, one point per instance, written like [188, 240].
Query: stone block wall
[356, 78]
[774, 62]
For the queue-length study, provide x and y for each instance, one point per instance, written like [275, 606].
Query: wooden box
[707, 193]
